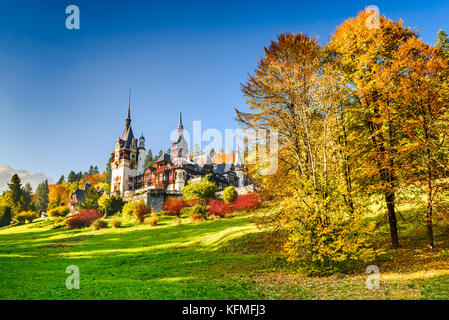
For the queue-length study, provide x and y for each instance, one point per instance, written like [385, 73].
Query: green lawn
[219, 259]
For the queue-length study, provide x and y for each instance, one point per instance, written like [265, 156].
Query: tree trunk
[389, 198]
[429, 191]
[429, 226]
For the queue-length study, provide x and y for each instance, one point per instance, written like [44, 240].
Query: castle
[171, 172]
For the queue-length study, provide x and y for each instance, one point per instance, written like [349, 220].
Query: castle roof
[180, 126]
[223, 168]
[128, 135]
[165, 158]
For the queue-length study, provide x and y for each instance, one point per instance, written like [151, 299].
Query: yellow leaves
[59, 194]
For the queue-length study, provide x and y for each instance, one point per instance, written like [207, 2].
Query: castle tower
[238, 165]
[180, 156]
[141, 156]
[124, 159]
[180, 148]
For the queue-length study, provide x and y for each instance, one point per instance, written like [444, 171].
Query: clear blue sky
[63, 93]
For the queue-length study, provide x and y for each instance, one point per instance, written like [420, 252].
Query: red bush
[174, 205]
[247, 202]
[83, 219]
[191, 202]
[219, 208]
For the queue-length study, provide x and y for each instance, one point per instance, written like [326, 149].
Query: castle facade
[171, 172]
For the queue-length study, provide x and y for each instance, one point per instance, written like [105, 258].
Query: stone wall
[154, 198]
[240, 191]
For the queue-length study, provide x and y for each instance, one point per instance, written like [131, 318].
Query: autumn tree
[96, 178]
[416, 83]
[59, 195]
[295, 91]
[362, 53]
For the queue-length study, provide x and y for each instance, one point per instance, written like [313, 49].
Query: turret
[141, 156]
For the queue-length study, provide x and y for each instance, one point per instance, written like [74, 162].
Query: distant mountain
[33, 178]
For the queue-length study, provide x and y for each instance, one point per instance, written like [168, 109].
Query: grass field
[219, 259]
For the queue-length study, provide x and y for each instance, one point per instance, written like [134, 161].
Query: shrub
[58, 222]
[196, 217]
[191, 202]
[247, 202]
[140, 211]
[229, 194]
[60, 211]
[319, 235]
[23, 216]
[209, 177]
[198, 212]
[152, 220]
[100, 224]
[110, 204]
[202, 191]
[128, 209]
[116, 222]
[219, 208]
[83, 219]
[5, 216]
[174, 206]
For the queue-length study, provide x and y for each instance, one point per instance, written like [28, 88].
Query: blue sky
[64, 93]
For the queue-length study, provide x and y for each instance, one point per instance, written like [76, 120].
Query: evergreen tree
[149, 159]
[60, 181]
[443, 42]
[212, 152]
[72, 177]
[90, 200]
[27, 197]
[42, 192]
[16, 189]
[159, 155]
[108, 172]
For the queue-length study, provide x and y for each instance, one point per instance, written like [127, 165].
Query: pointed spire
[180, 120]
[129, 104]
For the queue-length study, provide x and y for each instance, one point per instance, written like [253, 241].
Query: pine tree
[72, 177]
[159, 155]
[212, 152]
[149, 159]
[16, 189]
[61, 180]
[443, 42]
[42, 196]
[27, 197]
[90, 200]
[108, 172]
